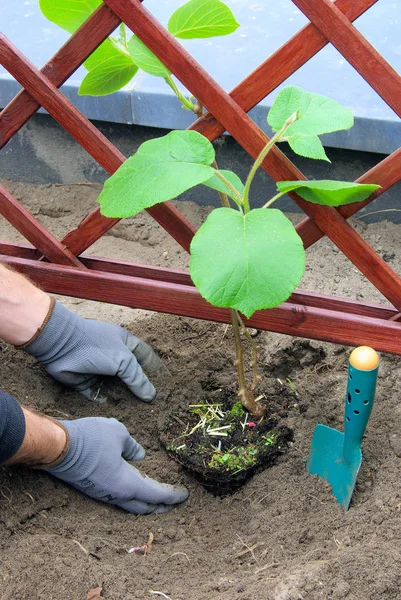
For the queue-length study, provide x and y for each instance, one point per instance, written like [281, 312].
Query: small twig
[76, 183]
[9, 497]
[250, 495]
[30, 496]
[269, 566]
[149, 543]
[155, 593]
[263, 498]
[176, 553]
[249, 548]
[375, 212]
[180, 421]
[317, 499]
[145, 549]
[224, 333]
[81, 546]
[59, 412]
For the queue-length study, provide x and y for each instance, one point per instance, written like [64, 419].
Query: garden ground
[282, 536]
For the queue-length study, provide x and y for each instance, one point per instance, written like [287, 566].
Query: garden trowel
[337, 456]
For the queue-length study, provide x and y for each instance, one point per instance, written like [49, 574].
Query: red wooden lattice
[60, 267]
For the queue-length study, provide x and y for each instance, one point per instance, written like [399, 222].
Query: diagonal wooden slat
[245, 131]
[95, 225]
[360, 53]
[272, 72]
[279, 66]
[327, 219]
[59, 68]
[86, 134]
[34, 231]
[386, 173]
[305, 314]
[288, 58]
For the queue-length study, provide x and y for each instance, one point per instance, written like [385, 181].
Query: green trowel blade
[326, 460]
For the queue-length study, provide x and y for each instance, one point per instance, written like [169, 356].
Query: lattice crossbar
[305, 314]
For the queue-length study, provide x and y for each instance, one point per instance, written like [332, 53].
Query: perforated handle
[359, 400]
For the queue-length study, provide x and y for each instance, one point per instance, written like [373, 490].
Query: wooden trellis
[60, 265]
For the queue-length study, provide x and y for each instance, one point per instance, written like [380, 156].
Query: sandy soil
[282, 536]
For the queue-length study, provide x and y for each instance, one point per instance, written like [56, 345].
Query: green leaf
[309, 146]
[68, 14]
[329, 193]
[160, 170]
[247, 262]
[217, 184]
[108, 77]
[145, 59]
[317, 114]
[108, 49]
[202, 19]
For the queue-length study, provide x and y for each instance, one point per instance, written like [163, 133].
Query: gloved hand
[76, 351]
[95, 464]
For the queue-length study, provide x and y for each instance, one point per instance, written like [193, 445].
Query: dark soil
[282, 536]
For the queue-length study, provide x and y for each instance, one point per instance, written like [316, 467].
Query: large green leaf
[317, 114]
[109, 49]
[219, 185]
[145, 59]
[160, 170]
[68, 14]
[246, 262]
[327, 192]
[202, 19]
[309, 146]
[108, 77]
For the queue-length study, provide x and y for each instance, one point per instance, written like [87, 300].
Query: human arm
[75, 351]
[90, 454]
[23, 307]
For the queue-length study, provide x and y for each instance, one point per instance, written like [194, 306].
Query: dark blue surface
[265, 25]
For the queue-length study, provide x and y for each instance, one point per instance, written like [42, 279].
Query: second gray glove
[96, 465]
[77, 351]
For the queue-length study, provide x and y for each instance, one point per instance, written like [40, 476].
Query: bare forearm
[44, 441]
[23, 307]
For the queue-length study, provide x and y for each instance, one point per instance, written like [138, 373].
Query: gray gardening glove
[76, 351]
[95, 464]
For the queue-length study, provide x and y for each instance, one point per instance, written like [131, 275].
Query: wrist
[24, 307]
[45, 442]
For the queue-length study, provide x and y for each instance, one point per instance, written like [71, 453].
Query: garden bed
[282, 536]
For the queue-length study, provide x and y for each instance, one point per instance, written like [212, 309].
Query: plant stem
[263, 155]
[185, 102]
[254, 347]
[245, 394]
[123, 35]
[238, 200]
[223, 197]
[276, 197]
